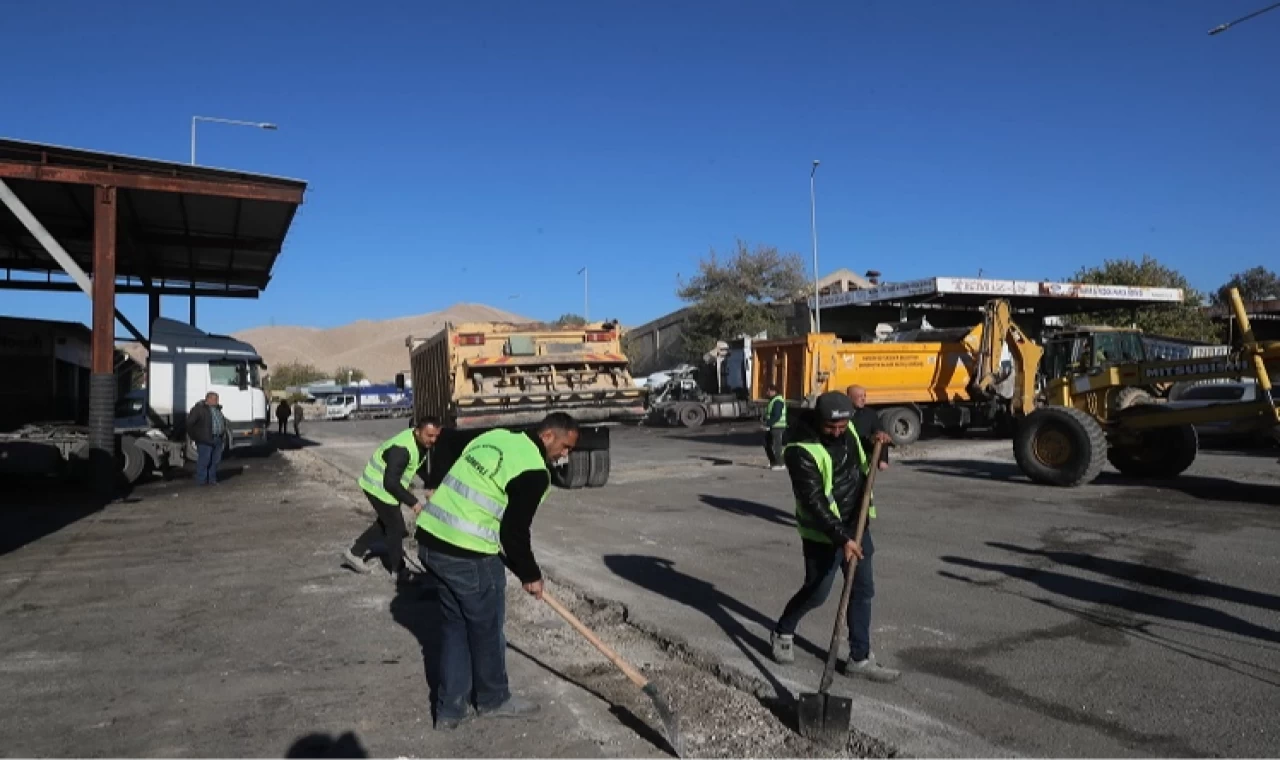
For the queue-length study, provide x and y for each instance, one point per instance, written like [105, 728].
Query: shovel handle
[828, 672]
[630, 672]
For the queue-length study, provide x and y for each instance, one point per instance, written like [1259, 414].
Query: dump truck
[482, 375]
[928, 379]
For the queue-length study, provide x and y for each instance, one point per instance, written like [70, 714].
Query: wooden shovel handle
[630, 672]
[828, 672]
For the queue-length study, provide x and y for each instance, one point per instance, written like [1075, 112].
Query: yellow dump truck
[482, 375]
[928, 380]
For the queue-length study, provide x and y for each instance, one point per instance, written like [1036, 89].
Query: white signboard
[896, 291]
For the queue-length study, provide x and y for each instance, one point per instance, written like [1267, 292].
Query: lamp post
[235, 122]
[813, 231]
[586, 295]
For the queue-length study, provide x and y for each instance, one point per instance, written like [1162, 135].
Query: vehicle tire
[1060, 446]
[902, 424]
[599, 470]
[1128, 397]
[573, 475]
[692, 415]
[1158, 453]
[133, 460]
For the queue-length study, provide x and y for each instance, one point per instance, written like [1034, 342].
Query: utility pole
[813, 230]
[586, 295]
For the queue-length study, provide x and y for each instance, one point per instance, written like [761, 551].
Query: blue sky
[486, 151]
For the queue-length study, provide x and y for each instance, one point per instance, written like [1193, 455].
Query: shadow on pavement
[660, 576]
[34, 507]
[1196, 486]
[327, 745]
[415, 606]
[624, 715]
[750, 509]
[277, 442]
[1145, 575]
[1118, 597]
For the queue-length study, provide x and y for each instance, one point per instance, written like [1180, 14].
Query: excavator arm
[998, 326]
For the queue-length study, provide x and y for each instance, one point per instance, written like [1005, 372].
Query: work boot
[514, 707]
[449, 724]
[355, 563]
[778, 467]
[784, 650]
[868, 669]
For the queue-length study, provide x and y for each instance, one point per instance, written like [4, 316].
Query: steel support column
[193, 310]
[153, 311]
[102, 383]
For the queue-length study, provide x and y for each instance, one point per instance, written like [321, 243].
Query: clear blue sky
[470, 151]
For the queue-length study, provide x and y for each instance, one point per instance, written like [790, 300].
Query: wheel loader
[1086, 414]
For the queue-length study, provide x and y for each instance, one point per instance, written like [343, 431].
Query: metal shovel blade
[825, 718]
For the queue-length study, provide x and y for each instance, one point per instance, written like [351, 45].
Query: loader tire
[1158, 453]
[1060, 446]
[599, 470]
[573, 475]
[132, 460]
[902, 424]
[1128, 397]
[693, 415]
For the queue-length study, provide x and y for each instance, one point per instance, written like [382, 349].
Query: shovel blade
[824, 718]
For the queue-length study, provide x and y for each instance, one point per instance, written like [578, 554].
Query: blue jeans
[208, 455]
[820, 563]
[472, 646]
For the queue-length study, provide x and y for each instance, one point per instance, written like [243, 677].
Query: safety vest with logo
[820, 455]
[768, 411]
[466, 510]
[371, 479]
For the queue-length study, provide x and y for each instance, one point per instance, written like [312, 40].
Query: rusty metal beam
[71, 287]
[104, 278]
[159, 183]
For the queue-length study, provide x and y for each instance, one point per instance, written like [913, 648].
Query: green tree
[344, 375]
[294, 373]
[1185, 320]
[570, 320]
[1256, 284]
[739, 294]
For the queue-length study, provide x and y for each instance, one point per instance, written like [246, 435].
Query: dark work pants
[284, 425]
[208, 455]
[472, 646]
[820, 563]
[389, 527]
[773, 445]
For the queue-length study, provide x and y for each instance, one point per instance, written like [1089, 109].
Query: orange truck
[912, 384]
[483, 375]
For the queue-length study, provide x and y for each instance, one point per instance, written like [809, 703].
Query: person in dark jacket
[866, 421]
[282, 415]
[828, 468]
[208, 429]
[385, 482]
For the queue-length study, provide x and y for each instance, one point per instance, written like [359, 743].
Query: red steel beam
[159, 183]
[104, 280]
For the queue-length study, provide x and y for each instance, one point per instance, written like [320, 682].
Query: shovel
[823, 717]
[669, 722]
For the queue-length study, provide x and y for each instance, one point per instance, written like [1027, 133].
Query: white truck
[183, 365]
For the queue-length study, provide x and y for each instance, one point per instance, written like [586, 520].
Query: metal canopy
[1042, 298]
[182, 230]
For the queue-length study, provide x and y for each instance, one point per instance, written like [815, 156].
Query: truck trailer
[479, 376]
[367, 402]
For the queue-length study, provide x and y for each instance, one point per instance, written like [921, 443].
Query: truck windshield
[229, 373]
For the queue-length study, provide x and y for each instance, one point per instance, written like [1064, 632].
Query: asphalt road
[1117, 619]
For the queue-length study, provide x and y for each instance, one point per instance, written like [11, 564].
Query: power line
[1224, 27]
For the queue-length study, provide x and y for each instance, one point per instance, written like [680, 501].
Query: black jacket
[867, 422]
[806, 481]
[200, 422]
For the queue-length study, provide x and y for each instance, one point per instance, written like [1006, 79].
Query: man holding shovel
[482, 509]
[828, 468]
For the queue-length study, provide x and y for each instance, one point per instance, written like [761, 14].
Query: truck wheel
[902, 424]
[1128, 397]
[1060, 446]
[599, 471]
[573, 475]
[133, 460]
[692, 415]
[1159, 453]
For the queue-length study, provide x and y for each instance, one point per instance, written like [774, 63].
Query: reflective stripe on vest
[822, 458]
[371, 479]
[768, 411]
[466, 510]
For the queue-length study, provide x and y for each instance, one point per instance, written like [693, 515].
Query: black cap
[832, 407]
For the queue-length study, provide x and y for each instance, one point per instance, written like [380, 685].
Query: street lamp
[813, 230]
[586, 295]
[236, 122]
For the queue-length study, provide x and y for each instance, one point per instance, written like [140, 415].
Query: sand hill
[375, 347]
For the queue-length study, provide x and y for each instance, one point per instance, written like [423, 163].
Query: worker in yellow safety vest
[775, 424]
[385, 482]
[478, 516]
[828, 468]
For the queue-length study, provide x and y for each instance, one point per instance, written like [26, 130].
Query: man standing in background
[775, 424]
[297, 420]
[282, 415]
[207, 428]
[866, 422]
